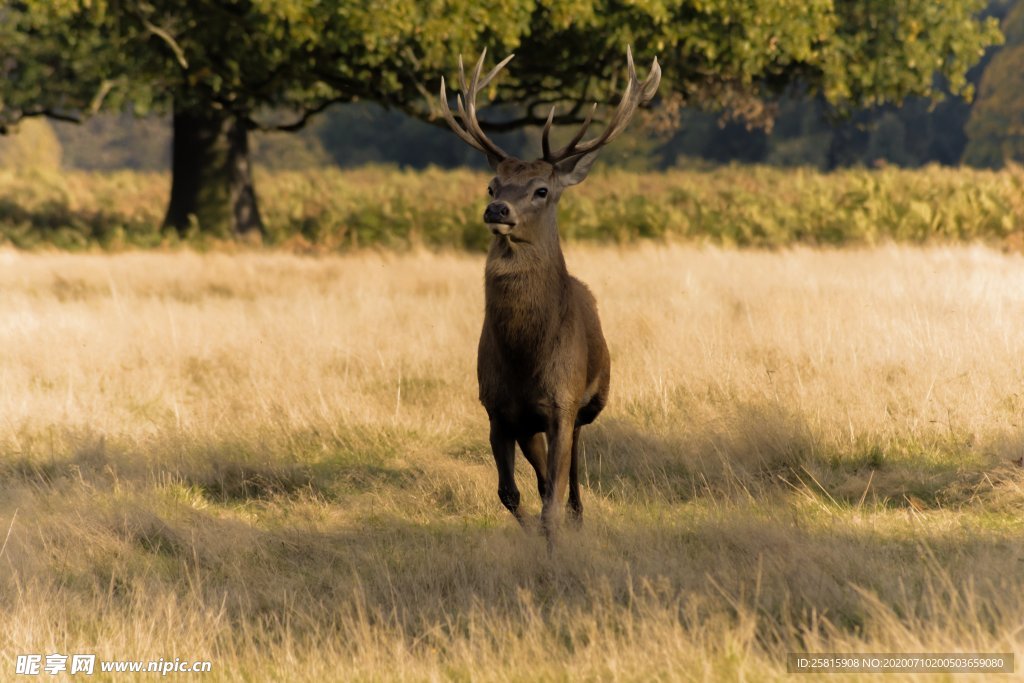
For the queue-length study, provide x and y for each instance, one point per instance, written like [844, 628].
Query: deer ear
[493, 161]
[574, 170]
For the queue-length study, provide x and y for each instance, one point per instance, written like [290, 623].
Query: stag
[542, 363]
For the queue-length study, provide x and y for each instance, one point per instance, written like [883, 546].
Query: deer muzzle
[498, 217]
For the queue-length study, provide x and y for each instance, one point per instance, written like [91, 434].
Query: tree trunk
[211, 183]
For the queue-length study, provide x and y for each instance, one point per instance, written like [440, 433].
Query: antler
[636, 93]
[470, 130]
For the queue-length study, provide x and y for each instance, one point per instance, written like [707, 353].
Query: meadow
[277, 462]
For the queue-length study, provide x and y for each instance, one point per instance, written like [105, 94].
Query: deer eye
[541, 192]
[490, 190]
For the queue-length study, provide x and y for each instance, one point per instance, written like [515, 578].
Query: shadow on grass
[225, 473]
[759, 450]
[442, 577]
[726, 531]
[755, 452]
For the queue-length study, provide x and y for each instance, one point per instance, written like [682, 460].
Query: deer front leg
[503, 446]
[560, 433]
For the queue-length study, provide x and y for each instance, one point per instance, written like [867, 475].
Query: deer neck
[525, 287]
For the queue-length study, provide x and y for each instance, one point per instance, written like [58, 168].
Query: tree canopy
[995, 130]
[226, 67]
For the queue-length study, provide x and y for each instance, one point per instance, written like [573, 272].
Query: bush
[400, 209]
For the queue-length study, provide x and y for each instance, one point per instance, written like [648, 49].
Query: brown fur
[543, 365]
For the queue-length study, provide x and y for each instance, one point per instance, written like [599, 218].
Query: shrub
[398, 209]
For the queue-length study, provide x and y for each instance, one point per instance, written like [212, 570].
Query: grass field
[278, 463]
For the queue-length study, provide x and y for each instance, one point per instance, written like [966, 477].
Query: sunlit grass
[278, 463]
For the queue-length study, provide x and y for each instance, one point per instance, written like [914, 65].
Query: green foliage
[328, 209]
[248, 55]
[894, 49]
[76, 56]
[996, 127]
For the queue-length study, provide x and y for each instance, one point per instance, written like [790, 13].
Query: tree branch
[299, 123]
[5, 126]
[163, 35]
[101, 94]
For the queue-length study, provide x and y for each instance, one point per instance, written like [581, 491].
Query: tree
[224, 68]
[995, 131]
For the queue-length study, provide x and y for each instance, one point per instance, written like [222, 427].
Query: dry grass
[278, 463]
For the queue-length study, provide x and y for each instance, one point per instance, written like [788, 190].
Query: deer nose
[496, 212]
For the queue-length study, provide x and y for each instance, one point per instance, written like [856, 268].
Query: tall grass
[339, 210]
[278, 463]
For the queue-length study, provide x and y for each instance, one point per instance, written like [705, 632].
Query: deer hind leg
[536, 451]
[575, 515]
[504, 448]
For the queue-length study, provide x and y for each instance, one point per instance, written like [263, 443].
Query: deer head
[525, 194]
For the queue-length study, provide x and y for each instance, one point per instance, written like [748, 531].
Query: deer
[543, 366]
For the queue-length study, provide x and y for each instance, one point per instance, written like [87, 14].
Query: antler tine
[470, 96]
[623, 113]
[650, 84]
[462, 113]
[635, 94]
[494, 72]
[456, 128]
[475, 83]
[470, 130]
[545, 144]
[462, 76]
[561, 154]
